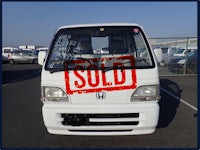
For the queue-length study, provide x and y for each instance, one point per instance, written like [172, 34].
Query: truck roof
[98, 25]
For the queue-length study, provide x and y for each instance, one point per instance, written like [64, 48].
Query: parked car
[7, 50]
[183, 51]
[22, 57]
[4, 59]
[32, 51]
[167, 53]
[36, 52]
[105, 50]
[176, 63]
[191, 66]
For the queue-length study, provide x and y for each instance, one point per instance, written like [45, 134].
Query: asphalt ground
[23, 127]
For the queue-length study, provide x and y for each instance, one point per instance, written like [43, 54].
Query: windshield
[192, 53]
[179, 51]
[99, 48]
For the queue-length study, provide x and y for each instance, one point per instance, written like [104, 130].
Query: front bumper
[133, 119]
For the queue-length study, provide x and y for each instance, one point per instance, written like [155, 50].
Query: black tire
[11, 61]
[35, 61]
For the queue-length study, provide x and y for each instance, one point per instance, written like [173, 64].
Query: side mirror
[41, 57]
[158, 53]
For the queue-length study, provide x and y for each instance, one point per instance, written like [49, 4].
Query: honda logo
[101, 95]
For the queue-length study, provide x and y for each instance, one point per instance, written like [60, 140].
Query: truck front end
[89, 92]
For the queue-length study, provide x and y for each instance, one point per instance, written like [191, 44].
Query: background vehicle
[191, 65]
[105, 50]
[4, 59]
[35, 52]
[31, 51]
[176, 63]
[167, 53]
[183, 51]
[6, 51]
[22, 57]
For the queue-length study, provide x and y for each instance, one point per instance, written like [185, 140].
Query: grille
[100, 119]
[100, 130]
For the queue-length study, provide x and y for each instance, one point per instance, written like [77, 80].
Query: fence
[179, 55]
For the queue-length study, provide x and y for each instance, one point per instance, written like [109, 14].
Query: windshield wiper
[141, 59]
[114, 68]
[57, 70]
[84, 59]
[66, 63]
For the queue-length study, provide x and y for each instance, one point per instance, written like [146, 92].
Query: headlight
[53, 94]
[181, 62]
[146, 93]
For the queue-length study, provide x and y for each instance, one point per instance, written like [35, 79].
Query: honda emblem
[101, 95]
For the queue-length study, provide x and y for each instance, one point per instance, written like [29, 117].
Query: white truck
[87, 93]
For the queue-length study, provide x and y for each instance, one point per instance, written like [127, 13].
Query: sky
[34, 23]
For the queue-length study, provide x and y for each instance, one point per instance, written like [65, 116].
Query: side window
[142, 52]
[140, 46]
[26, 53]
[16, 53]
[188, 51]
[7, 50]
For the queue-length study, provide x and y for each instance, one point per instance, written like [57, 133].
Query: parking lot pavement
[23, 127]
[13, 73]
[184, 87]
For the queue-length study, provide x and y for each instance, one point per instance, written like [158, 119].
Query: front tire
[11, 61]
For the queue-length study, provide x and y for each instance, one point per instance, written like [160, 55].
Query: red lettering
[94, 80]
[76, 83]
[105, 83]
[90, 77]
[116, 75]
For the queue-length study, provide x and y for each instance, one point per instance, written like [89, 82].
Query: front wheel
[12, 62]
